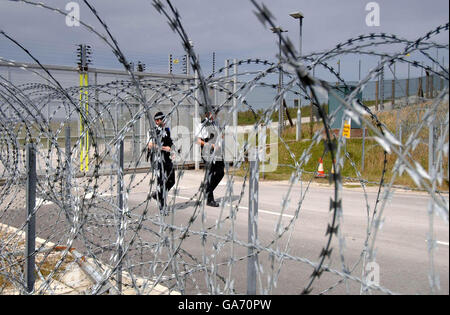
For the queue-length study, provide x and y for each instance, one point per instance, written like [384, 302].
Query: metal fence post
[68, 167]
[407, 82]
[431, 147]
[235, 109]
[298, 135]
[9, 112]
[68, 152]
[420, 88]
[197, 120]
[253, 224]
[432, 171]
[382, 89]
[377, 93]
[363, 147]
[393, 94]
[432, 92]
[394, 79]
[120, 199]
[30, 246]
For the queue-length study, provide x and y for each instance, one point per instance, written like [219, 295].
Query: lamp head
[297, 15]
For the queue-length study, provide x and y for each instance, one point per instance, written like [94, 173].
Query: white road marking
[43, 202]
[440, 243]
[246, 208]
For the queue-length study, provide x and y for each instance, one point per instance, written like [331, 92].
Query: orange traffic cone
[320, 172]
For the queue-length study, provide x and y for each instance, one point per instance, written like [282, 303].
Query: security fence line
[112, 218]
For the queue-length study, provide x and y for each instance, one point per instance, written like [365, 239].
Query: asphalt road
[401, 246]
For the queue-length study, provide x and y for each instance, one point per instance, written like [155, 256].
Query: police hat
[159, 115]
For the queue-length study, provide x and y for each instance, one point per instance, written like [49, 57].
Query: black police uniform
[165, 172]
[215, 165]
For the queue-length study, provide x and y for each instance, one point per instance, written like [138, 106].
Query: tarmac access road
[401, 246]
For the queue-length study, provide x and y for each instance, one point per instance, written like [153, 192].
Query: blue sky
[228, 28]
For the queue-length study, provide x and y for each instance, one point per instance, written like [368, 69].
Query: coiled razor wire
[80, 210]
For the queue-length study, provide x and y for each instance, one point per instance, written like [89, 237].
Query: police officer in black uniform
[210, 139]
[160, 149]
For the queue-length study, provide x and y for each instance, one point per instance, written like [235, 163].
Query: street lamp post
[196, 123]
[299, 16]
[278, 30]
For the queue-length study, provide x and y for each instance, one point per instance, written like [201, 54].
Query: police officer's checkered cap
[159, 115]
